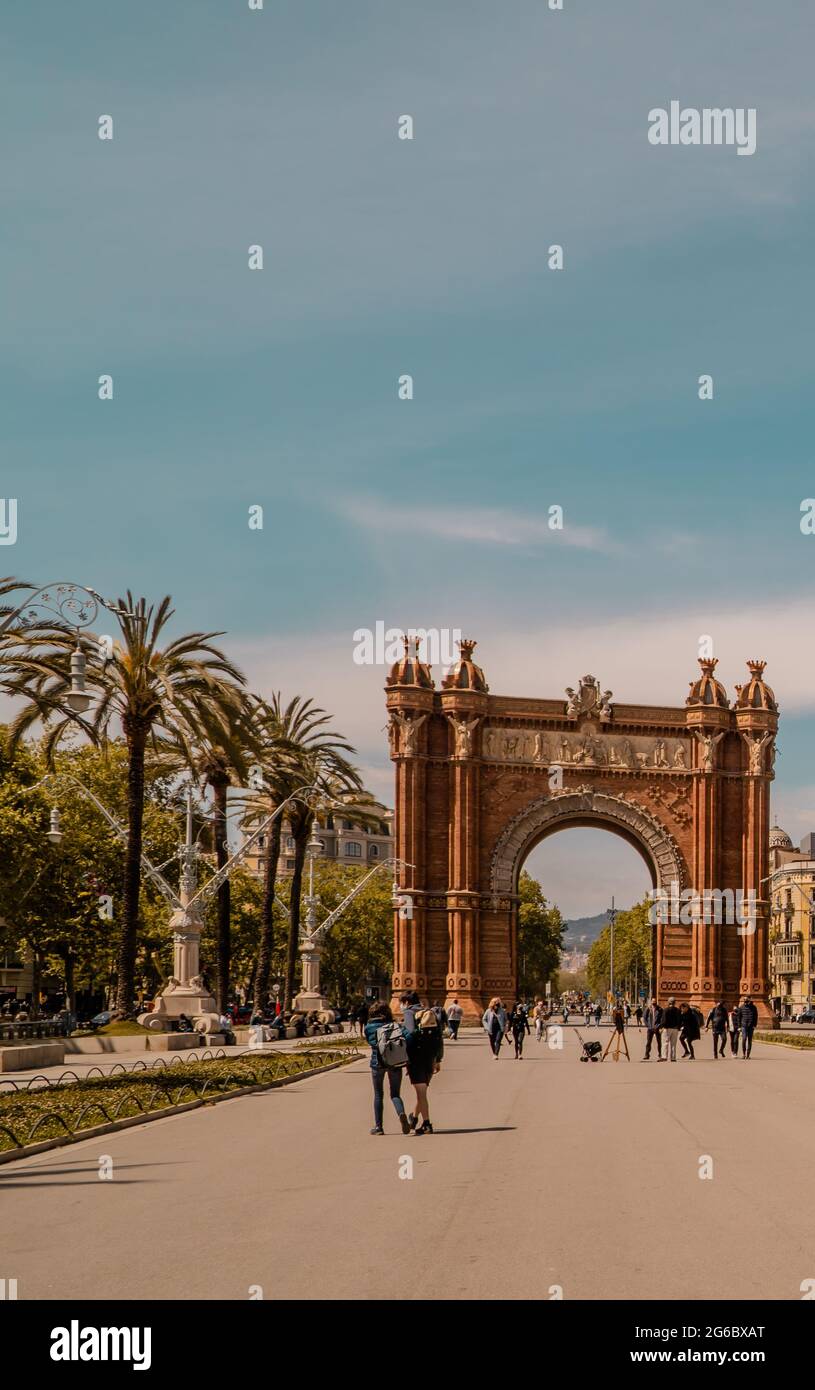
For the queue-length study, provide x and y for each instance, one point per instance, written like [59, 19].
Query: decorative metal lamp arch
[585, 807]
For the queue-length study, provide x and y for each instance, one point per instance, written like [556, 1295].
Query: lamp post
[310, 997]
[611, 913]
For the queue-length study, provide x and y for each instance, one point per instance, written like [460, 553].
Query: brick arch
[585, 807]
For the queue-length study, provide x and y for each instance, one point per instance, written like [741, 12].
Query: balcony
[788, 955]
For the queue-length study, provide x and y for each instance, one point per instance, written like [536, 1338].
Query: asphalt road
[542, 1175]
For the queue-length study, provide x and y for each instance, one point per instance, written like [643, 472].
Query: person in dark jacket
[425, 1050]
[734, 1028]
[717, 1020]
[519, 1026]
[378, 1017]
[748, 1018]
[671, 1023]
[689, 1031]
[653, 1023]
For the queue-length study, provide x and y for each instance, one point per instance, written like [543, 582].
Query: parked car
[806, 1015]
[99, 1020]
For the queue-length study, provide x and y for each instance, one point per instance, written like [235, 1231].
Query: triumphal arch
[482, 778]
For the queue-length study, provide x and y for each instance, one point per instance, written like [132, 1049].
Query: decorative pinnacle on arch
[706, 689]
[465, 675]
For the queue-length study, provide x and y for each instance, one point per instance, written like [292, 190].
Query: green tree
[540, 937]
[50, 895]
[633, 951]
[150, 687]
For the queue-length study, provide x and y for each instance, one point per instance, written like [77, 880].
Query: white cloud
[486, 526]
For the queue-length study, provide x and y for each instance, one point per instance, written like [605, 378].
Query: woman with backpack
[425, 1048]
[386, 1050]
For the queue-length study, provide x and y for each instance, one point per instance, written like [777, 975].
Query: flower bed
[32, 1114]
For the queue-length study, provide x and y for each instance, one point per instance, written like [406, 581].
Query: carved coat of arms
[587, 702]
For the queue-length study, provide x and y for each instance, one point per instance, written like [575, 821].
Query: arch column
[463, 712]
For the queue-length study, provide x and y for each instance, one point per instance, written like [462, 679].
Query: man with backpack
[748, 1018]
[388, 1059]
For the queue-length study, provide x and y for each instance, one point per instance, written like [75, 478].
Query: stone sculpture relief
[584, 750]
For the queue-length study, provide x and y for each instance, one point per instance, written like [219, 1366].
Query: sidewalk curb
[95, 1131]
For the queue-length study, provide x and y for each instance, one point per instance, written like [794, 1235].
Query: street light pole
[611, 912]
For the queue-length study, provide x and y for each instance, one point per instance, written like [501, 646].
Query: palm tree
[296, 751]
[153, 692]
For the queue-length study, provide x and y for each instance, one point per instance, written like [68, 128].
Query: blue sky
[532, 387]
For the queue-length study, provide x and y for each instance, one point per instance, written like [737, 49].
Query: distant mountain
[583, 932]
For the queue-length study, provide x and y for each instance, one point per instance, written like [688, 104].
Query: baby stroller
[591, 1050]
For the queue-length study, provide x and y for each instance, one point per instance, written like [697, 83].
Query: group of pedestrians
[684, 1024]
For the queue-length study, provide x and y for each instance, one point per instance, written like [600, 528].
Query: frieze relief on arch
[615, 811]
[570, 748]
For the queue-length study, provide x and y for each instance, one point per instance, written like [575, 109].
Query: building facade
[792, 925]
[359, 836]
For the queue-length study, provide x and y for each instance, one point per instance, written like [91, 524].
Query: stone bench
[22, 1056]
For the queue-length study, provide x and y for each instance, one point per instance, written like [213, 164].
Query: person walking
[425, 1049]
[653, 1029]
[638, 1015]
[519, 1026]
[409, 1004]
[441, 1015]
[748, 1018]
[671, 1023]
[689, 1032]
[494, 1023]
[539, 1015]
[455, 1014]
[380, 1017]
[717, 1020]
[734, 1028]
[617, 1034]
[598, 1013]
[587, 1011]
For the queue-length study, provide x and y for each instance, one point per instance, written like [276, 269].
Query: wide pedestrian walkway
[543, 1175]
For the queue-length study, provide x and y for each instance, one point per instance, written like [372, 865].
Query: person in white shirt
[455, 1013]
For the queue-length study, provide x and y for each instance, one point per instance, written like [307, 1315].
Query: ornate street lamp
[64, 605]
[54, 832]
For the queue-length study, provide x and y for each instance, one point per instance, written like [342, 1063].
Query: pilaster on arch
[584, 806]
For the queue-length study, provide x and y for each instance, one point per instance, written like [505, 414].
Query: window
[353, 849]
[261, 841]
[289, 863]
[329, 822]
[289, 842]
[373, 852]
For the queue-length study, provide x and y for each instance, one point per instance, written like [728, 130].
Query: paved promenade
[541, 1173]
